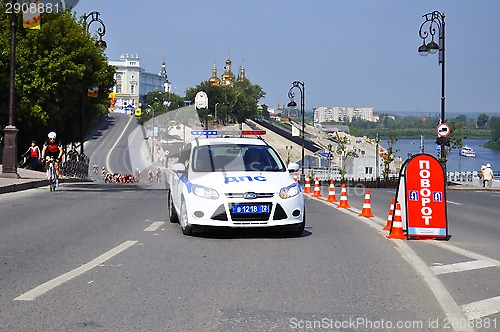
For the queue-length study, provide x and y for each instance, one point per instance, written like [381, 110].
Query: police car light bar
[227, 132]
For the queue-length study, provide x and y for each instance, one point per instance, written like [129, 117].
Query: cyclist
[158, 175]
[52, 148]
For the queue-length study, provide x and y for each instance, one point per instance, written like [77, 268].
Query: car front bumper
[219, 212]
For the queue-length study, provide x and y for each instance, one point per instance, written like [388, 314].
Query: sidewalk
[29, 179]
[474, 185]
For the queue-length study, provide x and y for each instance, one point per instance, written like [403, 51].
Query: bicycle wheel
[52, 179]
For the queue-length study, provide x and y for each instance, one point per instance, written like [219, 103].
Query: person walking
[488, 176]
[35, 156]
[480, 175]
[72, 158]
[72, 154]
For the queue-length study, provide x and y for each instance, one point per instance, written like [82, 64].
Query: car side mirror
[293, 167]
[178, 167]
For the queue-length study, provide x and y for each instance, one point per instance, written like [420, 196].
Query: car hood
[240, 182]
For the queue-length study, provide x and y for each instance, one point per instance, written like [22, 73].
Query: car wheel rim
[183, 216]
[170, 205]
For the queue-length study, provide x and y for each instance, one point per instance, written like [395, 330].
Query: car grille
[251, 218]
[242, 195]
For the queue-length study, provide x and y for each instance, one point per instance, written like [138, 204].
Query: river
[455, 162]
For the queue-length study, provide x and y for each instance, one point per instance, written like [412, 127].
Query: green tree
[161, 102]
[495, 128]
[343, 152]
[389, 155]
[482, 120]
[457, 136]
[55, 67]
[494, 142]
[237, 101]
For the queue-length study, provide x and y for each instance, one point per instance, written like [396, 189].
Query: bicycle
[51, 175]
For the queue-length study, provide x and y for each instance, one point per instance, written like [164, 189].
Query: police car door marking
[185, 180]
[244, 178]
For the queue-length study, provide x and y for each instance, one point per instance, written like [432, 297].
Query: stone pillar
[9, 162]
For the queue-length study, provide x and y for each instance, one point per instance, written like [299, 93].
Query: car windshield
[233, 157]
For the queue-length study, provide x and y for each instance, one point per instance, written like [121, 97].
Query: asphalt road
[96, 257]
[340, 270]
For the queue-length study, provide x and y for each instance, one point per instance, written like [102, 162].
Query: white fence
[324, 175]
[462, 176]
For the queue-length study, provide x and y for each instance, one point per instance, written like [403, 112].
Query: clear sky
[347, 52]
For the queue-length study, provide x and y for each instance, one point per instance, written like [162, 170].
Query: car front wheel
[172, 215]
[186, 228]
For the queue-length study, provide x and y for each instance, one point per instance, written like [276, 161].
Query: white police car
[233, 182]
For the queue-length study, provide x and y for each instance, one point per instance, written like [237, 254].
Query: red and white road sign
[443, 130]
[425, 197]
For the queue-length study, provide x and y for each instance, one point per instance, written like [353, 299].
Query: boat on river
[467, 151]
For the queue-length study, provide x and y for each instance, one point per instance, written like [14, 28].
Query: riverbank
[456, 163]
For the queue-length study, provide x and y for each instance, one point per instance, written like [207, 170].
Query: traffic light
[443, 141]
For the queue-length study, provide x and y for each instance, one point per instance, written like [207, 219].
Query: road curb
[23, 186]
[37, 184]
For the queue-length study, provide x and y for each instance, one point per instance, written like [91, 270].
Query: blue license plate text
[251, 209]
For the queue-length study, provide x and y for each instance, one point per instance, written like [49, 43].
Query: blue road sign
[413, 195]
[437, 196]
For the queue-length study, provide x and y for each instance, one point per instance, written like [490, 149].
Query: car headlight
[290, 191]
[205, 192]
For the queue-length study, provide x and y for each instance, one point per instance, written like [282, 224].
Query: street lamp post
[88, 19]
[434, 22]
[101, 30]
[377, 162]
[216, 104]
[292, 103]
[288, 154]
[9, 153]
[153, 133]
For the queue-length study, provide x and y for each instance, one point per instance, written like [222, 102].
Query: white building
[342, 114]
[133, 82]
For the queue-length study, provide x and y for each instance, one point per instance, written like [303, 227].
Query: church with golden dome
[227, 77]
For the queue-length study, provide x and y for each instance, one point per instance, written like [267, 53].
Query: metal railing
[325, 175]
[77, 168]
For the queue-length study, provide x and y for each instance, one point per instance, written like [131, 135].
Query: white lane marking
[464, 252]
[482, 308]
[452, 310]
[114, 145]
[460, 267]
[444, 298]
[49, 285]
[154, 226]
[455, 203]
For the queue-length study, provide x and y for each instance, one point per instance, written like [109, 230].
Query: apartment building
[342, 114]
[133, 82]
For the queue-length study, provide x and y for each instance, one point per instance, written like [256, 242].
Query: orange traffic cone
[343, 198]
[367, 208]
[295, 177]
[331, 193]
[307, 188]
[389, 217]
[397, 225]
[317, 189]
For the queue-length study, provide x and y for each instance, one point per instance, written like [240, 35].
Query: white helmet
[52, 135]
